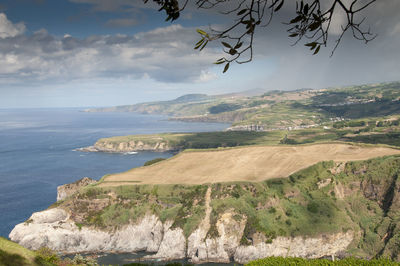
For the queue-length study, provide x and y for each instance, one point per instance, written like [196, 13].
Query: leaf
[204, 45]
[317, 50]
[219, 62]
[241, 12]
[199, 44]
[226, 68]
[273, 3]
[237, 46]
[201, 32]
[296, 19]
[314, 26]
[279, 6]
[293, 35]
[305, 9]
[312, 45]
[232, 51]
[227, 45]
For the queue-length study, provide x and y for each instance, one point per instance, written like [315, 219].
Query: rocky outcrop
[67, 190]
[325, 245]
[173, 244]
[53, 228]
[128, 146]
[210, 242]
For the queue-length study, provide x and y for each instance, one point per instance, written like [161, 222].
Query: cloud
[122, 22]
[163, 54]
[8, 29]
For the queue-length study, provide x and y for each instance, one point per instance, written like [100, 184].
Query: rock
[173, 244]
[202, 248]
[316, 247]
[67, 190]
[53, 229]
[130, 146]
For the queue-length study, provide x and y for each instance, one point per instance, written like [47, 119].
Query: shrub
[312, 207]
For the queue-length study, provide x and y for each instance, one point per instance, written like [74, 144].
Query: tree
[311, 21]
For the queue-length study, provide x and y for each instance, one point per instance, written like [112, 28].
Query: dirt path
[206, 220]
[242, 164]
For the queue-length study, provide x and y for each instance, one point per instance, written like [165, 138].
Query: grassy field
[327, 197]
[256, 163]
[372, 130]
[13, 254]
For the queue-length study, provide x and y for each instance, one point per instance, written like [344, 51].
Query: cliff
[104, 145]
[329, 209]
[55, 229]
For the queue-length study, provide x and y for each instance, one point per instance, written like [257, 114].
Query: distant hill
[276, 109]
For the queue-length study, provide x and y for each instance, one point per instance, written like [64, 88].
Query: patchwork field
[255, 163]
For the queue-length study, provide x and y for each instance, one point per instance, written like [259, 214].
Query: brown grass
[242, 164]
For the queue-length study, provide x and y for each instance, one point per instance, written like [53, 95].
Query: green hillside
[278, 109]
[361, 197]
[372, 130]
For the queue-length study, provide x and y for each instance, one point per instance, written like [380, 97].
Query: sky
[80, 53]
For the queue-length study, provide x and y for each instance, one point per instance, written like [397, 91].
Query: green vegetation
[156, 160]
[223, 107]
[202, 140]
[368, 114]
[275, 261]
[357, 196]
[280, 109]
[182, 204]
[373, 130]
[12, 254]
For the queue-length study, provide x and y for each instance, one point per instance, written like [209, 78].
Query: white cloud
[163, 54]
[8, 29]
[206, 76]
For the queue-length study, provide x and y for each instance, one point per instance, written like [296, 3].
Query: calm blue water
[36, 153]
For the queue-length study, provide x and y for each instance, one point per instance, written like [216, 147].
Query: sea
[37, 153]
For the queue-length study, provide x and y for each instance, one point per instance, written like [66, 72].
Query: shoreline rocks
[129, 146]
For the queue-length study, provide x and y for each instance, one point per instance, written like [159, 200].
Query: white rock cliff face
[53, 228]
[318, 247]
[130, 146]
